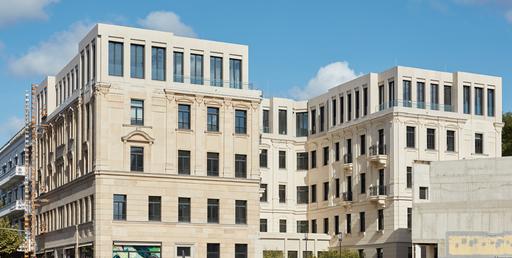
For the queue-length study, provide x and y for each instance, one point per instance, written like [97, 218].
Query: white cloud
[9, 128]
[509, 16]
[166, 21]
[49, 56]
[14, 10]
[327, 77]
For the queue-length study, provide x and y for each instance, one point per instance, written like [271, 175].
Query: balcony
[415, 104]
[59, 152]
[15, 174]
[198, 80]
[378, 194]
[378, 155]
[347, 199]
[13, 207]
[347, 163]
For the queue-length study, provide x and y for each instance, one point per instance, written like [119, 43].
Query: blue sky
[296, 47]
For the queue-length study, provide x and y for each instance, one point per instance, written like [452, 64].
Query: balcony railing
[213, 82]
[377, 190]
[378, 149]
[414, 104]
[347, 196]
[8, 176]
[347, 158]
[18, 205]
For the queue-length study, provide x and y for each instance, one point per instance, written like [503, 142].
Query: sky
[297, 49]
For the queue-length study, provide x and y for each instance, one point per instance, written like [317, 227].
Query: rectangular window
[411, 137]
[154, 208]
[362, 145]
[337, 151]
[240, 165]
[136, 158]
[183, 209]
[349, 223]
[479, 143]
[313, 159]
[302, 124]
[336, 224]
[365, 101]
[263, 225]
[362, 222]
[326, 191]
[302, 226]
[212, 250]
[313, 121]
[450, 140]
[467, 99]
[119, 209]
[420, 90]
[283, 122]
[183, 251]
[212, 164]
[322, 119]
[479, 101]
[313, 226]
[302, 194]
[240, 121]
[240, 212]
[431, 139]
[137, 112]
[391, 93]
[333, 108]
[178, 66]
[362, 182]
[380, 219]
[137, 61]
[313, 193]
[115, 59]
[240, 250]
[183, 162]
[158, 63]
[212, 119]
[213, 211]
[326, 225]
[409, 177]
[448, 98]
[266, 121]
[293, 254]
[282, 193]
[342, 110]
[235, 73]
[490, 102]
[337, 188]
[196, 69]
[282, 226]
[282, 159]
[263, 158]
[349, 107]
[263, 188]
[184, 116]
[382, 105]
[357, 104]
[326, 155]
[409, 218]
[348, 156]
[407, 93]
[302, 161]
[216, 71]
[380, 253]
[423, 193]
[434, 96]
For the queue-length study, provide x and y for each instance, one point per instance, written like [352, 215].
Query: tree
[10, 239]
[345, 253]
[506, 136]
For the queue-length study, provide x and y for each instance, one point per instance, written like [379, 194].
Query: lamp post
[340, 237]
[306, 247]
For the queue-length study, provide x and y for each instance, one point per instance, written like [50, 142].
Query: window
[293, 254]
[409, 177]
[183, 162]
[183, 116]
[337, 188]
[313, 121]
[348, 155]
[431, 139]
[382, 105]
[115, 59]
[212, 250]
[447, 98]
[136, 158]
[264, 158]
[467, 99]
[333, 108]
[302, 226]
[154, 208]
[380, 219]
[266, 121]
[361, 253]
[212, 164]
[183, 251]
[450, 140]
[313, 226]
[326, 191]
[357, 103]
[342, 110]
[423, 193]
[322, 119]
[302, 124]
[479, 143]
[362, 182]
[302, 194]
[196, 69]
[337, 151]
[283, 124]
[302, 161]
[178, 66]
[240, 212]
[212, 119]
[420, 90]
[240, 121]
[282, 159]
[313, 159]
[409, 218]
[119, 209]
[391, 93]
[240, 165]
[362, 222]
[137, 114]
[362, 141]
[313, 193]
[411, 137]
[349, 107]
[380, 253]
[336, 224]
[213, 210]
[282, 193]
[307, 254]
[365, 101]
[235, 73]
[349, 223]
[137, 61]
[183, 209]
[240, 250]
[263, 197]
[434, 96]
[216, 71]
[158, 63]
[407, 93]
[326, 156]
[490, 102]
[479, 101]
[282, 226]
[263, 225]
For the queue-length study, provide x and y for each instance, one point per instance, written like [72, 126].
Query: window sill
[451, 152]
[411, 149]
[137, 126]
[241, 135]
[213, 132]
[480, 154]
[184, 130]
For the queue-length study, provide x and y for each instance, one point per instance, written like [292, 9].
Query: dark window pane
[213, 119]
[183, 209]
[282, 159]
[240, 212]
[212, 250]
[263, 158]
[302, 194]
[136, 158]
[158, 63]
[283, 122]
[137, 61]
[213, 210]
[196, 69]
[212, 164]
[178, 67]
[216, 71]
[183, 116]
[119, 209]
[240, 250]
[137, 112]
[240, 165]
[240, 121]
[115, 59]
[154, 208]
[235, 73]
[183, 162]
[302, 124]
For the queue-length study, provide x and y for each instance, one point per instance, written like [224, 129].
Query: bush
[345, 253]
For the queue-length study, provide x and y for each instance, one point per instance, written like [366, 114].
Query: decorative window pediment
[138, 136]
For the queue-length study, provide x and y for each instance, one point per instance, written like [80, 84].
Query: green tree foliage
[272, 254]
[507, 135]
[10, 240]
[345, 253]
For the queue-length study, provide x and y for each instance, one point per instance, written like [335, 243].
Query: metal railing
[377, 190]
[378, 149]
[347, 196]
[415, 104]
[347, 158]
[213, 82]
[18, 170]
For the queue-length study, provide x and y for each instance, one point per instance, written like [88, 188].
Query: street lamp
[340, 237]
[306, 239]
